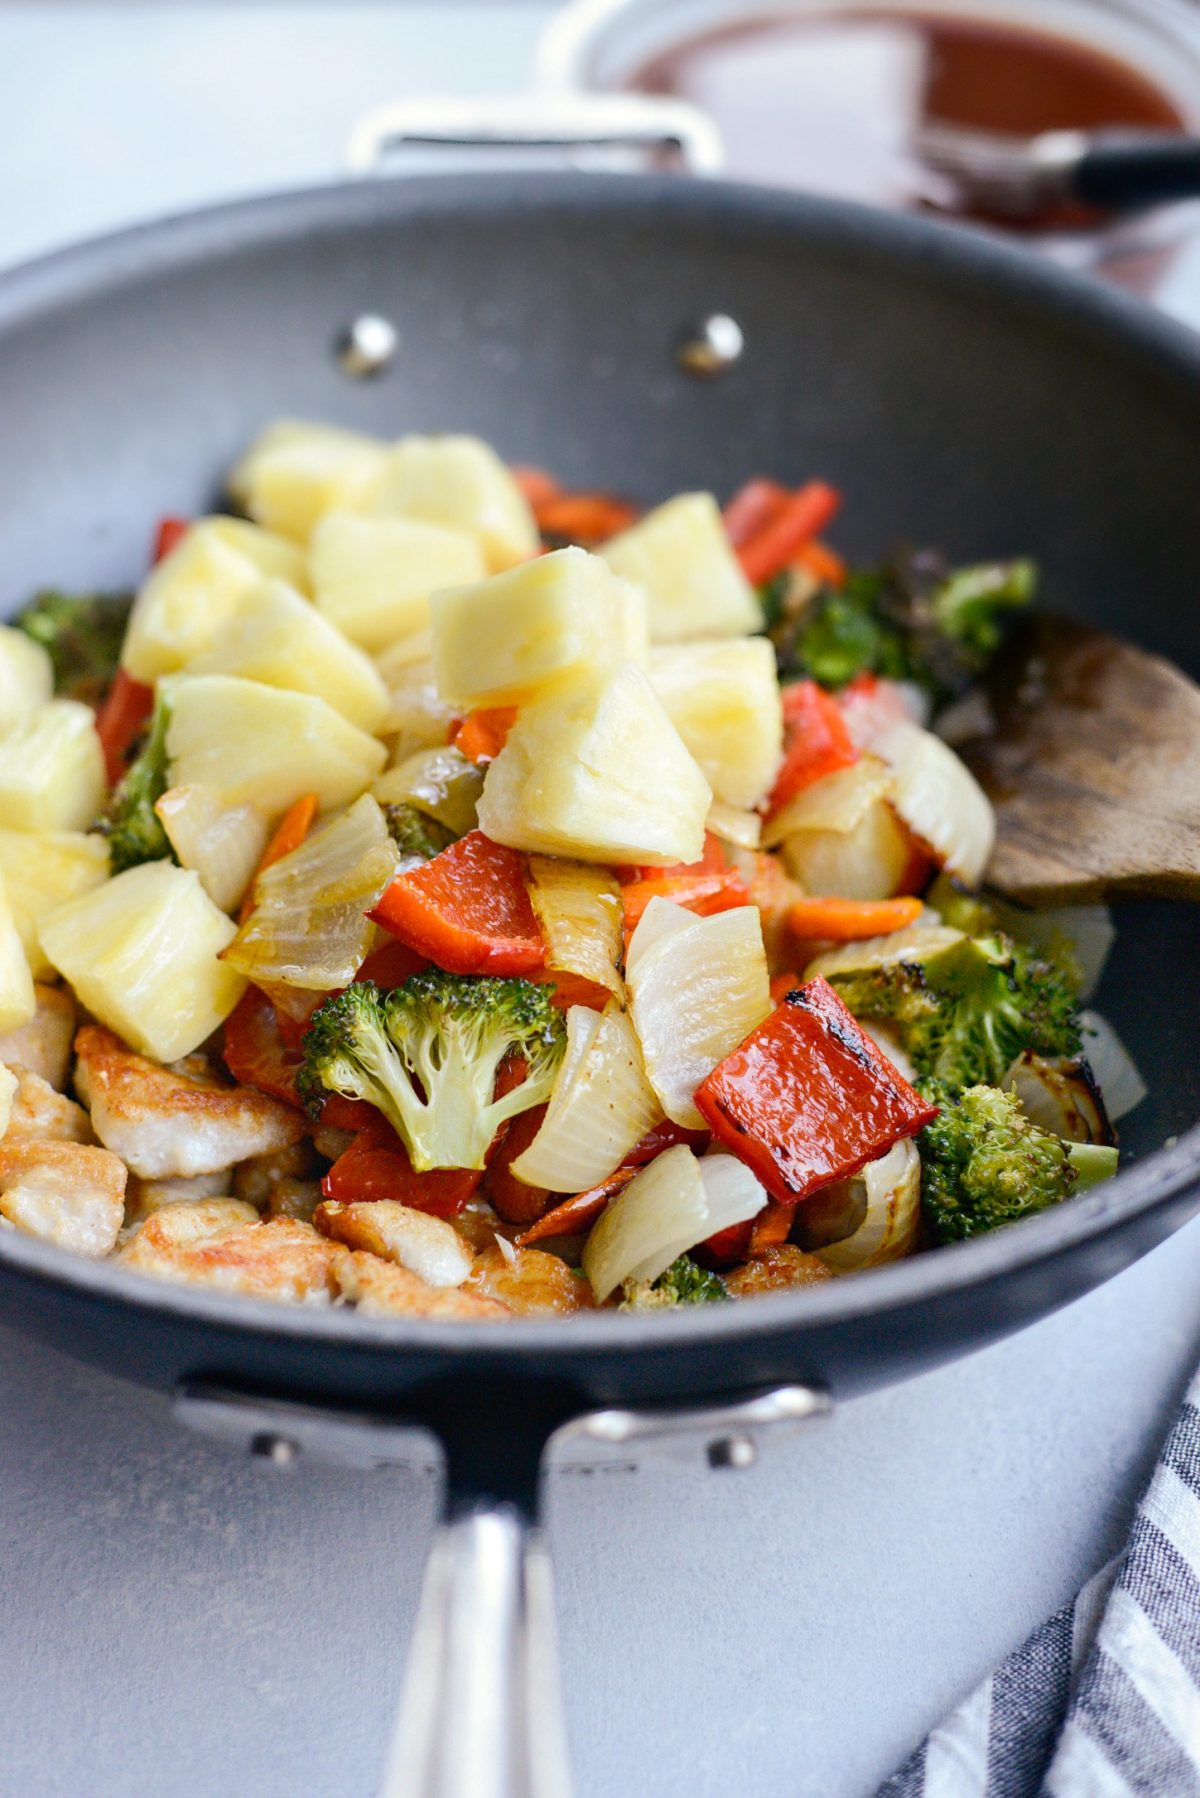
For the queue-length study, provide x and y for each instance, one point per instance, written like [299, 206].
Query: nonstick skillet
[960, 394]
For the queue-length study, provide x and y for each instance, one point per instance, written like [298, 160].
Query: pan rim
[69, 277]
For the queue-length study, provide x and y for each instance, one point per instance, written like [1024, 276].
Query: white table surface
[176, 1622]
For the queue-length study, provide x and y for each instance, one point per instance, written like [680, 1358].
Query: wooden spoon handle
[1094, 769]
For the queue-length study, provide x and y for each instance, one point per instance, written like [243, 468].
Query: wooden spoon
[1093, 768]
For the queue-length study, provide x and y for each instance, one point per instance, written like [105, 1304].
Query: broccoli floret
[915, 619]
[684, 1283]
[983, 1164]
[131, 823]
[966, 1012]
[82, 634]
[417, 836]
[427, 1054]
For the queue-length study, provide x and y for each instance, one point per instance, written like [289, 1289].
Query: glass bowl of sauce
[828, 95]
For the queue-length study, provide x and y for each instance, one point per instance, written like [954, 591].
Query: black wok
[960, 393]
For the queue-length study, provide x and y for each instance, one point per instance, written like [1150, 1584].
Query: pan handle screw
[711, 347]
[732, 1451]
[367, 346]
[280, 1451]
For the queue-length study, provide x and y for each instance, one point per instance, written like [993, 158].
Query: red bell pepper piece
[802, 517]
[168, 534]
[370, 1170]
[712, 861]
[728, 1246]
[517, 1202]
[667, 1135]
[468, 910]
[817, 741]
[254, 1051]
[808, 1098]
[583, 517]
[121, 720]
[702, 893]
[391, 964]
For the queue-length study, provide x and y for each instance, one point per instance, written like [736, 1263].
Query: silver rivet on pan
[367, 346]
[712, 346]
[280, 1451]
[731, 1451]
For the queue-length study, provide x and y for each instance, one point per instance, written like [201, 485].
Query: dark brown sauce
[832, 101]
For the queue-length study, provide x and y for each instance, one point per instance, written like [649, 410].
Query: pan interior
[957, 397]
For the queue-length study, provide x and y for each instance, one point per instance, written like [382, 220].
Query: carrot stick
[483, 733]
[825, 563]
[583, 517]
[751, 508]
[535, 484]
[806, 513]
[578, 1213]
[851, 920]
[290, 832]
[771, 1227]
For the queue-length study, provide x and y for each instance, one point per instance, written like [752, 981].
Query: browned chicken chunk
[165, 1124]
[67, 1192]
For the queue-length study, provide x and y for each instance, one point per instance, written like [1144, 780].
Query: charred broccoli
[82, 633]
[418, 837]
[684, 1283]
[427, 1054]
[131, 823]
[916, 619]
[983, 1164]
[967, 1011]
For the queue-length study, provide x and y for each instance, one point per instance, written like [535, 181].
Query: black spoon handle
[1127, 170]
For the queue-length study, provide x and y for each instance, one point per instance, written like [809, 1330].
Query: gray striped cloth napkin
[1103, 1701]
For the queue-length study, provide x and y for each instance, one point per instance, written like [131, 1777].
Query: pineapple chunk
[18, 1001]
[41, 869]
[597, 771]
[723, 699]
[281, 640]
[142, 953]
[695, 587]
[26, 678]
[372, 577]
[294, 473]
[191, 593]
[505, 640]
[52, 770]
[460, 482]
[249, 742]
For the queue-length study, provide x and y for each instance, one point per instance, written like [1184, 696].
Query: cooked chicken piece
[774, 1270]
[295, 1198]
[68, 1192]
[144, 1197]
[163, 1124]
[43, 1045]
[255, 1180]
[428, 1246]
[479, 1226]
[38, 1113]
[381, 1289]
[182, 1222]
[529, 1281]
[281, 1260]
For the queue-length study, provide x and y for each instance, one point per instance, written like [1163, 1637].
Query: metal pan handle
[539, 121]
[482, 1714]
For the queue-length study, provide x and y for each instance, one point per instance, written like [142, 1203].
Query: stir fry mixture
[447, 895]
